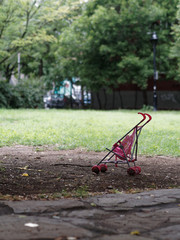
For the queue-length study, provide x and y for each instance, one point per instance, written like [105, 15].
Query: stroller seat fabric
[123, 148]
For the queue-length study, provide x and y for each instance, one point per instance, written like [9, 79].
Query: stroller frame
[123, 154]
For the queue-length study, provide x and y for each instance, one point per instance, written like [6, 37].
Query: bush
[27, 94]
[5, 94]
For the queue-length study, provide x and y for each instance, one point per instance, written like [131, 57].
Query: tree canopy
[104, 42]
[110, 42]
[175, 51]
[29, 27]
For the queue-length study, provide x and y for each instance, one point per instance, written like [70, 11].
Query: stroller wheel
[96, 169]
[103, 167]
[134, 170]
[138, 170]
[131, 171]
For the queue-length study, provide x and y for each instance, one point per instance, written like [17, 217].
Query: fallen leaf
[136, 232]
[25, 174]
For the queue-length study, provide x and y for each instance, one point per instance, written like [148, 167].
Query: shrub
[27, 94]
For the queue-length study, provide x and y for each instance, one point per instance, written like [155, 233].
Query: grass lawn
[90, 129]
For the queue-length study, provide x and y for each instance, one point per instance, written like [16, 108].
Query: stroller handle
[149, 116]
[144, 116]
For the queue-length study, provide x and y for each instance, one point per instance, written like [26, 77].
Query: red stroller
[124, 150]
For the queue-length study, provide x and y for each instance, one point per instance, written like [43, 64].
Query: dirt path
[41, 172]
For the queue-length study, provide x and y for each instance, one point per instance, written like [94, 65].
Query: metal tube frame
[127, 159]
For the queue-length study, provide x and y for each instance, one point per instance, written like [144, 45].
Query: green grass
[90, 129]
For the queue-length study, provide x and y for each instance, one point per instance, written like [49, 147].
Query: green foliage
[175, 50]
[5, 94]
[110, 42]
[91, 130]
[104, 42]
[27, 94]
[31, 27]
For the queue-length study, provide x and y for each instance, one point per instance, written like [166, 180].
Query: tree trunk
[8, 72]
[145, 102]
[113, 106]
[135, 101]
[105, 99]
[82, 96]
[99, 100]
[121, 100]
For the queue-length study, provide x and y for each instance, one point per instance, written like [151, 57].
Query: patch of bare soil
[41, 172]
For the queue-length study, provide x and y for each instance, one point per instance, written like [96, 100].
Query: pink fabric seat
[126, 144]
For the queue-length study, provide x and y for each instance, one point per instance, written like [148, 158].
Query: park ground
[44, 172]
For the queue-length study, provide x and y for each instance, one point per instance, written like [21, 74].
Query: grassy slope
[94, 130]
